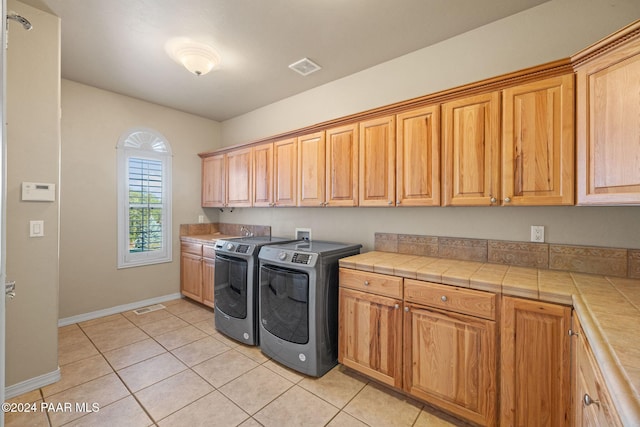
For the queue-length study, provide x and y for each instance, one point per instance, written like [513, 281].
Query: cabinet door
[418, 157]
[592, 405]
[537, 143]
[535, 363]
[263, 175]
[370, 335]
[208, 274]
[191, 276]
[213, 181]
[311, 169]
[239, 177]
[377, 162]
[471, 151]
[342, 166]
[285, 167]
[608, 128]
[450, 361]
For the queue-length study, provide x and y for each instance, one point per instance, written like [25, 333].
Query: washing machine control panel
[300, 258]
[288, 257]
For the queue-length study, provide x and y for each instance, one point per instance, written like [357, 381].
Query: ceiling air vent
[305, 66]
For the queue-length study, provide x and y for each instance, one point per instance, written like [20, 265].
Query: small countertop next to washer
[608, 307]
[206, 239]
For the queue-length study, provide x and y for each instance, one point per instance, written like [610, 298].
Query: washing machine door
[230, 285]
[284, 303]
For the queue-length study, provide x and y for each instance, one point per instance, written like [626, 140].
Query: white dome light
[196, 57]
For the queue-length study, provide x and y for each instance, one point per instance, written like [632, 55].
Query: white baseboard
[117, 309]
[32, 384]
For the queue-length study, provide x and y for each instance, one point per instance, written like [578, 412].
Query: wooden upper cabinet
[608, 120]
[311, 169]
[342, 166]
[535, 363]
[285, 167]
[418, 157]
[538, 143]
[213, 181]
[471, 151]
[239, 177]
[263, 175]
[377, 162]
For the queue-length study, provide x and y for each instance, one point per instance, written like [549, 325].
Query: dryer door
[284, 303]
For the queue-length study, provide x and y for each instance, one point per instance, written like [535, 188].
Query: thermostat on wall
[38, 192]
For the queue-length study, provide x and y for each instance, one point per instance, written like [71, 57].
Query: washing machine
[298, 293]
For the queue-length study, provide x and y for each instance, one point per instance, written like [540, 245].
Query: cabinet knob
[397, 306]
[507, 199]
[589, 401]
[573, 333]
[321, 203]
[493, 200]
[389, 202]
[406, 309]
[366, 283]
[443, 298]
[398, 202]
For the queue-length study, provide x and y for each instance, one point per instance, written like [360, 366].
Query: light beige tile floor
[171, 368]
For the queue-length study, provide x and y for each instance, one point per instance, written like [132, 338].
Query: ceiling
[118, 45]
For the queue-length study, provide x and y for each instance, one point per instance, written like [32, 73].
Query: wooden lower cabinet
[370, 335]
[208, 274]
[450, 361]
[197, 266]
[442, 357]
[535, 363]
[592, 406]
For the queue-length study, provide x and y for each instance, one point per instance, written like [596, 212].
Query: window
[144, 198]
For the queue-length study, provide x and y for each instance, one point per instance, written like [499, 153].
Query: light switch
[36, 228]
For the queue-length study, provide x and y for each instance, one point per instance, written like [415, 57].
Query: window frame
[145, 144]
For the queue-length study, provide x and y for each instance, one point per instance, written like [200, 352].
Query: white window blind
[144, 199]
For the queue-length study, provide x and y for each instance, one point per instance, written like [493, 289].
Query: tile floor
[172, 368]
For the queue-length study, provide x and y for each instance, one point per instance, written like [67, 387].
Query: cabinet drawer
[371, 282]
[468, 301]
[208, 251]
[191, 248]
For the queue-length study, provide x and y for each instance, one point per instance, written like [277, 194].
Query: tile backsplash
[616, 262]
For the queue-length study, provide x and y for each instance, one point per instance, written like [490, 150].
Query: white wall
[92, 122]
[33, 151]
[554, 30]
[551, 31]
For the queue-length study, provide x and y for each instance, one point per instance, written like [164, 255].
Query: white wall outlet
[537, 233]
[36, 228]
[200, 219]
[303, 233]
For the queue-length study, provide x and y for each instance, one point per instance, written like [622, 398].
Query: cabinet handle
[406, 309]
[366, 283]
[397, 306]
[507, 199]
[589, 401]
[573, 333]
[493, 200]
[443, 298]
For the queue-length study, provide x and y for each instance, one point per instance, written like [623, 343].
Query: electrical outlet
[200, 219]
[537, 233]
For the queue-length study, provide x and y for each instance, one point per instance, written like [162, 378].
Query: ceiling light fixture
[305, 66]
[198, 58]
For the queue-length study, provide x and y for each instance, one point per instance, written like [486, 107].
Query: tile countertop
[205, 239]
[608, 307]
